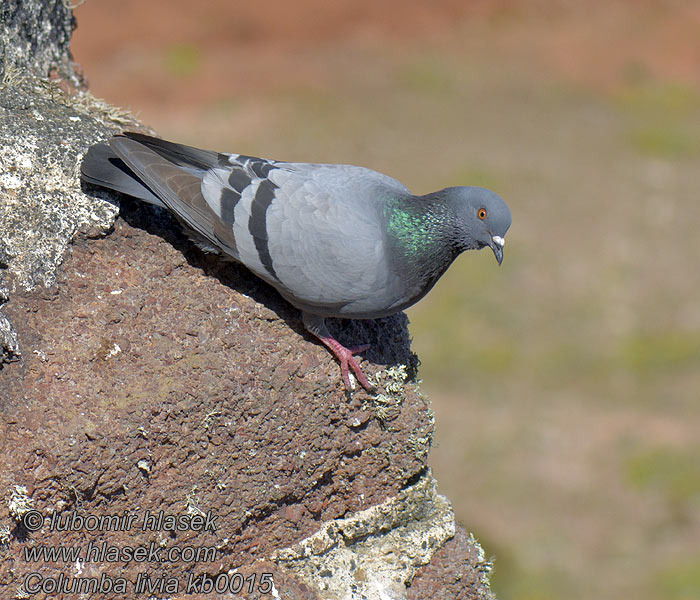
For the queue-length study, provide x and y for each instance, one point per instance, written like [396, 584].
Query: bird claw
[317, 327]
[348, 362]
[351, 362]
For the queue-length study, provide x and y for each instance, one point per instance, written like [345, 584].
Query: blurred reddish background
[133, 50]
[566, 383]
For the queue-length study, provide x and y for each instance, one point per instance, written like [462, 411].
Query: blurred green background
[566, 384]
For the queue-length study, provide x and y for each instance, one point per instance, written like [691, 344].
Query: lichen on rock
[375, 552]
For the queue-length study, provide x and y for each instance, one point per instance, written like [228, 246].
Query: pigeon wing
[173, 173]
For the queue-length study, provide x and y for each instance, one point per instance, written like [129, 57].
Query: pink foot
[347, 361]
[317, 326]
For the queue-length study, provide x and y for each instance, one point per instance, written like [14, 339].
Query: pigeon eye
[482, 213]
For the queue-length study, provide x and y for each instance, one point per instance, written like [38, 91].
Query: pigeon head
[483, 216]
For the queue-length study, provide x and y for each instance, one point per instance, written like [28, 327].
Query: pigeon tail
[101, 166]
[317, 326]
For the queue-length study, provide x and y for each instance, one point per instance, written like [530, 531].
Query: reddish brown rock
[151, 384]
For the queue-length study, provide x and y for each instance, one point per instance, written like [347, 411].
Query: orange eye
[482, 213]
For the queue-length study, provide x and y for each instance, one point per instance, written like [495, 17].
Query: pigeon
[334, 240]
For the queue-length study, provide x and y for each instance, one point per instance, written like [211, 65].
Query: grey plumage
[334, 240]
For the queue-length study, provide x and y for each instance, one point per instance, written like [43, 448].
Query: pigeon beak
[497, 246]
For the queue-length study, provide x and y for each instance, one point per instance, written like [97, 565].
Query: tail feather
[164, 174]
[179, 188]
[101, 166]
[188, 157]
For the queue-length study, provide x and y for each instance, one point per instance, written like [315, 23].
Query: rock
[157, 398]
[35, 38]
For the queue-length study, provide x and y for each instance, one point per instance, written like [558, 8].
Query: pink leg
[346, 359]
[317, 326]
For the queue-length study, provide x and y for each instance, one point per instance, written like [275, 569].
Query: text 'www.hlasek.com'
[88, 564]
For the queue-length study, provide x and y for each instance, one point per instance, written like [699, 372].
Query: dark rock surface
[35, 37]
